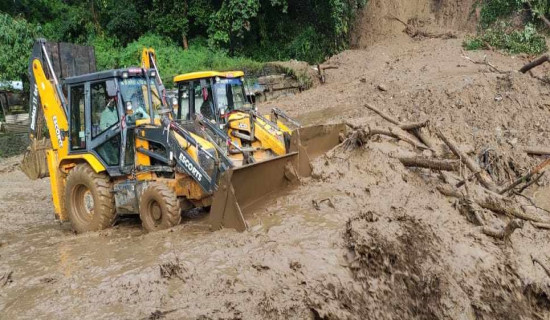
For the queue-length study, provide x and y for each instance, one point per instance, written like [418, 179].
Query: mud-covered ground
[364, 237]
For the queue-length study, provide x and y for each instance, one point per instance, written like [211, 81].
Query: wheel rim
[83, 203]
[155, 212]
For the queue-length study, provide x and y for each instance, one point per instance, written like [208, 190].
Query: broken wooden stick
[392, 120]
[424, 137]
[541, 264]
[397, 133]
[483, 178]
[484, 62]
[532, 182]
[535, 63]
[414, 125]
[6, 278]
[429, 163]
[539, 151]
[526, 177]
[383, 114]
[501, 205]
[541, 225]
[506, 232]
[362, 134]
[492, 201]
[471, 210]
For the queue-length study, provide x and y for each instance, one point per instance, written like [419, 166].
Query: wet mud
[363, 238]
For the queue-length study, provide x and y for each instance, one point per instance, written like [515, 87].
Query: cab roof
[102, 75]
[208, 74]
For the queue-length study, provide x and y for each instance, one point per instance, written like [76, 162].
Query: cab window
[135, 96]
[204, 102]
[183, 101]
[78, 127]
[230, 95]
[104, 109]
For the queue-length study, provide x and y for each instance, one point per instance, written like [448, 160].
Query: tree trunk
[184, 35]
[185, 43]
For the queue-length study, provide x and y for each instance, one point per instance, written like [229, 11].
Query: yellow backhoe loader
[219, 103]
[113, 147]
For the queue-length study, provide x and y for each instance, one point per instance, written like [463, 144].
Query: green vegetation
[16, 40]
[187, 35]
[173, 59]
[496, 32]
[512, 41]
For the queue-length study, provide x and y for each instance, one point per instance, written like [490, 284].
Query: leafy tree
[16, 41]
[171, 18]
[231, 21]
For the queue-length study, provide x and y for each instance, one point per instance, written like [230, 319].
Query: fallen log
[483, 178]
[429, 163]
[506, 232]
[535, 63]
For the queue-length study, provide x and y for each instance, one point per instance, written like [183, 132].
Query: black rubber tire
[159, 208]
[83, 184]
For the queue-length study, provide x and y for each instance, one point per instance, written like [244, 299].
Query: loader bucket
[240, 188]
[34, 163]
[319, 139]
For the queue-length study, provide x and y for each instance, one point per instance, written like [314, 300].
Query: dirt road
[385, 245]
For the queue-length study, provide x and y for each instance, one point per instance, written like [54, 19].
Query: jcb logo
[190, 167]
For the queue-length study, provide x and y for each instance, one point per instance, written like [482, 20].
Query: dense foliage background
[514, 26]
[187, 34]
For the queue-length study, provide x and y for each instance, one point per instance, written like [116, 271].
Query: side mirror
[111, 88]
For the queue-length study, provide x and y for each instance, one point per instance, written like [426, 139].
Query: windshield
[135, 95]
[230, 95]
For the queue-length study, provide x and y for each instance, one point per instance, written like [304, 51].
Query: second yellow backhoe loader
[219, 103]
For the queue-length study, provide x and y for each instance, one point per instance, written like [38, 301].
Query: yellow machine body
[269, 140]
[60, 162]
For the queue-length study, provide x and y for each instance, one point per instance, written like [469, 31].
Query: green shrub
[172, 59]
[492, 10]
[502, 37]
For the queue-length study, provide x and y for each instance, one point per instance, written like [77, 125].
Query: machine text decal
[190, 167]
[34, 107]
[57, 132]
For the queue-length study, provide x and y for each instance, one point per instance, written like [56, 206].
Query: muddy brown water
[116, 272]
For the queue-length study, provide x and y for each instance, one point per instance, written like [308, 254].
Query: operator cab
[103, 105]
[214, 95]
